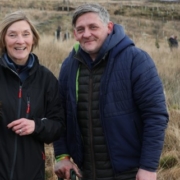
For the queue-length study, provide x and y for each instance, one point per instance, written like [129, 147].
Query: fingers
[59, 174]
[65, 172]
[19, 131]
[16, 126]
[63, 167]
[64, 175]
[76, 170]
[22, 126]
[14, 123]
[78, 173]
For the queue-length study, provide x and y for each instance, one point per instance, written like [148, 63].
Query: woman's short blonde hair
[8, 21]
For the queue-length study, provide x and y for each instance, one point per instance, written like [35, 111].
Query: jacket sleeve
[150, 99]
[50, 128]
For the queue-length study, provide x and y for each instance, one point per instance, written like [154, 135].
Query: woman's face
[19, 42]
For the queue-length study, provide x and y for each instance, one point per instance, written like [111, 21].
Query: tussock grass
[145, 30]
[51, 53]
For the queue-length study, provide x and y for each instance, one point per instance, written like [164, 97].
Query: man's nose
[87, 33]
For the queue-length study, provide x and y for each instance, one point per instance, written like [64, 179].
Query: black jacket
[22, 157]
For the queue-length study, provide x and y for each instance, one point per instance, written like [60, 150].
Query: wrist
[62, 157]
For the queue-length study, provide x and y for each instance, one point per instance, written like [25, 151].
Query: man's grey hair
[91, 7]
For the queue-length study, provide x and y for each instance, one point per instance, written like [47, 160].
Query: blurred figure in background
[66, 35]
[58, 32]
[31, 114]
[173, 42]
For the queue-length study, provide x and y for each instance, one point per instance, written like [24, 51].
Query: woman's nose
[20, 39]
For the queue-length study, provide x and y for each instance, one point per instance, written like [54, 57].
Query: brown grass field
[149, 24]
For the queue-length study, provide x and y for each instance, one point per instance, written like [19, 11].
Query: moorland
[148, 23]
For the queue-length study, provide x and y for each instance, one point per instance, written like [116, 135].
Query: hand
[146, 175]
[22, 126]
[63, 167]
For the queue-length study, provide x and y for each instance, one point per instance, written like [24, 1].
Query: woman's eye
[12, 35]
[26, 34]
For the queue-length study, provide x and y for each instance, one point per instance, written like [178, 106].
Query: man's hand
[63, 167]
[146, 175]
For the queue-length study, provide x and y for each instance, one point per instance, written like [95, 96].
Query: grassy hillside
[149, 24]
[138, 17]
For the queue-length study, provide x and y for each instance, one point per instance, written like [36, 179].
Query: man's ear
[110, 27]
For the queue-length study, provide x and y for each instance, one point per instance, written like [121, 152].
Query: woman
[31, 113]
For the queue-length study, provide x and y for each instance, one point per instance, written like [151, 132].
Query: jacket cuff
[147, 168]
[62, 156]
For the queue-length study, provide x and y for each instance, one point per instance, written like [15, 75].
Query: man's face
[91, 33]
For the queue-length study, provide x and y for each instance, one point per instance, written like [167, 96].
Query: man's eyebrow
[91, 24]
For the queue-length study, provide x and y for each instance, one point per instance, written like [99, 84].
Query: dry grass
[144, 31]
[52, 52]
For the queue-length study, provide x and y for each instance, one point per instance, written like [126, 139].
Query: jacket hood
[116, 36]
[119, 39]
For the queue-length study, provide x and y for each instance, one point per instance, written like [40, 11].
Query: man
[173, 43]
[58, 31]
[115, 106]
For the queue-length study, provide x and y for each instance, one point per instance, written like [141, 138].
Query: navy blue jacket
[132, 106]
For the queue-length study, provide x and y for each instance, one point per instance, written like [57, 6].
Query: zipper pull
[28, 107]
[0, 110]
[20, 92]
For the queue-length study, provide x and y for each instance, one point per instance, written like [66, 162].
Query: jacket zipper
[15, 142]
[90, 127]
